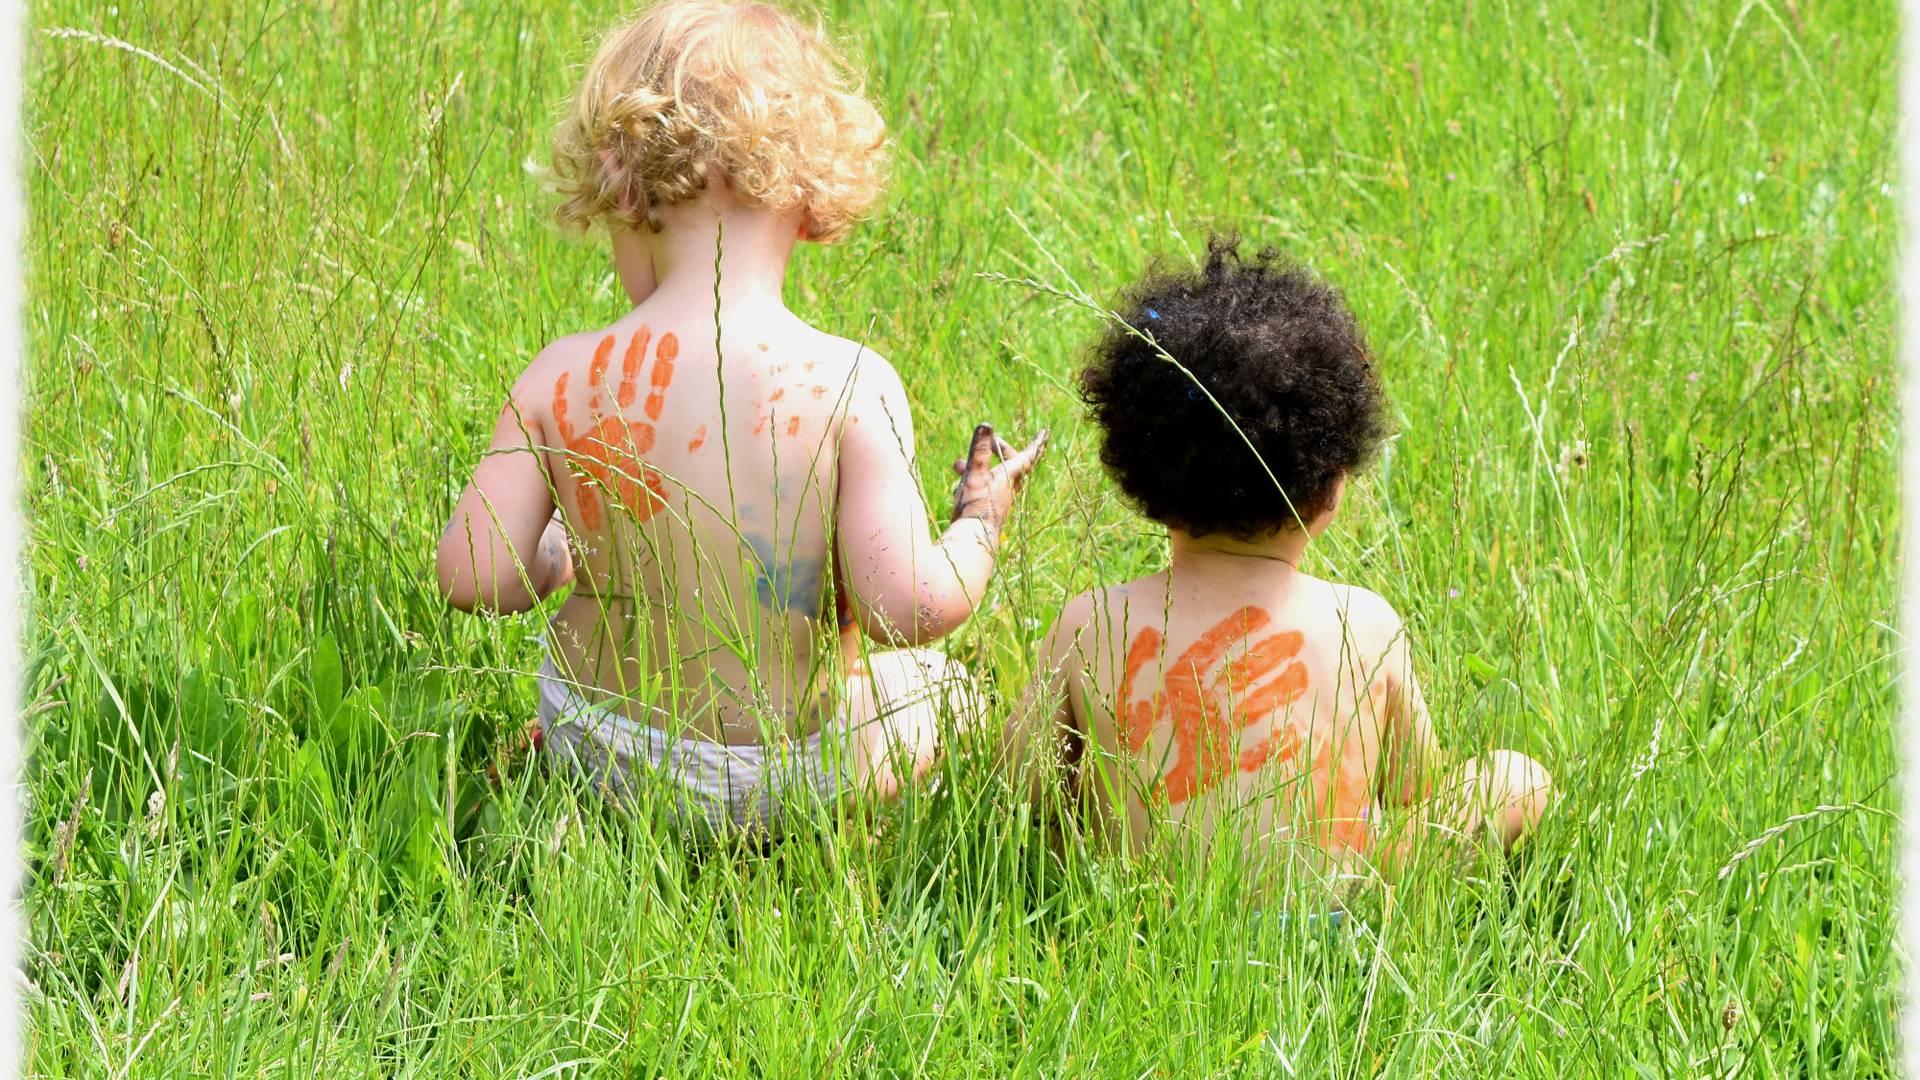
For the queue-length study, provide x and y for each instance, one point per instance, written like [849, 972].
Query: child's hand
[986, 490]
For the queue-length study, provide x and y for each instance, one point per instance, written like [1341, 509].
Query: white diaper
[709, 787]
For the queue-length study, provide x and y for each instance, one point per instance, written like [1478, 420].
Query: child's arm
[1413, 760]
[504, 547]
[903, 589]
[1044, 732]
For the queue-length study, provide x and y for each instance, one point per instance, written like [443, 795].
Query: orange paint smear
[1284, 690]
[597, 370]
[663, 359]
[560, 405]
[1282, 747]
[630, 368]
[1340, 800]
[1138, 717]
[588, 502]
[699, 439]
[793, 425]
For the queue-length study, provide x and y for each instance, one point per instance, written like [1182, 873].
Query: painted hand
[986, 490]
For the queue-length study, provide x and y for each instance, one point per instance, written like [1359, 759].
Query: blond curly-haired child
[737, 508]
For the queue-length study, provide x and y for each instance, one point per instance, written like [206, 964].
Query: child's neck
[753, 246]
[1218, 553]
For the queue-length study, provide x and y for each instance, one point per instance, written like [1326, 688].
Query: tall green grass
[1628, 268]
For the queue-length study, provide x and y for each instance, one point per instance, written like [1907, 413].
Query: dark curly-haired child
[1232, 694]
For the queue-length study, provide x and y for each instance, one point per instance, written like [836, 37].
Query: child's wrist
[991, 522]
[983, 508]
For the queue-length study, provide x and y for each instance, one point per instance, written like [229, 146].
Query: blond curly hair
[694, 86]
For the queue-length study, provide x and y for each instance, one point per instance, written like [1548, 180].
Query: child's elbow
[904, 622]
[935, 620]
[464, 596]
[459, 584]
[457, 589]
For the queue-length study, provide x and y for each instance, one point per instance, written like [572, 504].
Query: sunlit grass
[1628, 270]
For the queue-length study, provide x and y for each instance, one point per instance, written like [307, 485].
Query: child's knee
[1514, 771]
[948, 685]
[1518, 790]
[918, 695]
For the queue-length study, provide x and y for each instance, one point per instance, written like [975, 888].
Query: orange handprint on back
[607, 455]
[1246, 687]
[1340, 797]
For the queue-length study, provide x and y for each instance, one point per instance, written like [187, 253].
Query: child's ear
[619, 177]
[1338, 494]
[1335, 496]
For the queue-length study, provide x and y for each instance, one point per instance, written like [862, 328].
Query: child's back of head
[693, 90]
[1270, 401]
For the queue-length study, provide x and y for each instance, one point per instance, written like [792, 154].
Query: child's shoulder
[558, 357]
[1112, 611]
[1091, 625]
[1359, 602]
[858, 359]
[1369, 619]
[852, 369]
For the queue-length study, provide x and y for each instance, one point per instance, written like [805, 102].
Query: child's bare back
[1235, 693]
[699, 489]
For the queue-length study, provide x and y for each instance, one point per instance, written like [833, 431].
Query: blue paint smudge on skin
[793, 585]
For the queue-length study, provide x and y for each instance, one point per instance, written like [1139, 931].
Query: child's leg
[897, 713]
[1500, 796]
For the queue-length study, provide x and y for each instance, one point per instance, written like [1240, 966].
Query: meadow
[1628, 268]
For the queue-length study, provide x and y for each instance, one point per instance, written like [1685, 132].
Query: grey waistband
[708, 786]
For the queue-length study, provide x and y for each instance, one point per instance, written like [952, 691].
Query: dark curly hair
[1280, 353]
